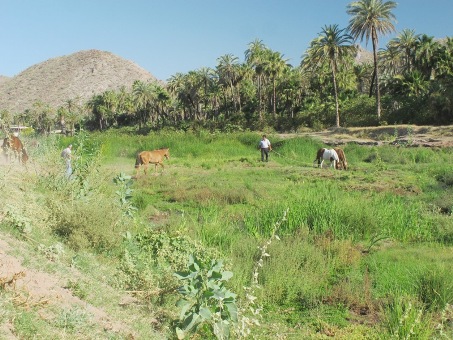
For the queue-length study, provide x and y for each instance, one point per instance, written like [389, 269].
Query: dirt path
[409, 135]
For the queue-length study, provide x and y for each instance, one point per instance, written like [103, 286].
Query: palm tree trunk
[274, 98]
[259, 98]
[376, 72]
[337, 106]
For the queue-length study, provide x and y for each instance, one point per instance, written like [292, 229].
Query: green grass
[350, 244]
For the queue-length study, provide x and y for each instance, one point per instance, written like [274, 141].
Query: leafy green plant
[124, 193]
[205, 299]
[17, 220]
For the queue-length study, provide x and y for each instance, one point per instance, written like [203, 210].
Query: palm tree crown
[369, 17]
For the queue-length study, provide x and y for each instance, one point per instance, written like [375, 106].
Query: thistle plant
[445, 326]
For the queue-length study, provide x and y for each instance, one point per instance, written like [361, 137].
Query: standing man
[265, 146]
[67, 156]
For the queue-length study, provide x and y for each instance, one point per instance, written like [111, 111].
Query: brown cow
[155, 157]
[14, 144]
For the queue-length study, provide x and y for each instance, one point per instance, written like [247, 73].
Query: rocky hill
[78, 75]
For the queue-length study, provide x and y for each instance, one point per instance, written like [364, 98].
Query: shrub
[85, 225]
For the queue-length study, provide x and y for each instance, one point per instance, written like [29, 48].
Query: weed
[445, 326]
[434, 288]
[73, 320]
[17, 220]
[52, 252]
[77, 288]
[404, 319]
[249, 311]
[25, 325]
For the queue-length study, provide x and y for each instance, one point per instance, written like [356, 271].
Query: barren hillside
[57, 80]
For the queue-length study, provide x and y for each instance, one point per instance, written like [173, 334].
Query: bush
[86, 225]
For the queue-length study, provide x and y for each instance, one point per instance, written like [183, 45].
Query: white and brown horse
[336, 157]
[155, 157]
[13, 144]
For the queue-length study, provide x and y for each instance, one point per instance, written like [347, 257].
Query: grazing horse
[14, 144]
[155, 157]
[327, 154]
[342, 162]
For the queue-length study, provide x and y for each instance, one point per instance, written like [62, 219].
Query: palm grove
[410, 80]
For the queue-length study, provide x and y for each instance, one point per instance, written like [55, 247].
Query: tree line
[409, 81]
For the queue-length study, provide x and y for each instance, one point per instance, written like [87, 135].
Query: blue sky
[166, 37]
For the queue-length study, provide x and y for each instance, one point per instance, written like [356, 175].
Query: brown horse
[342, 159]
[14, 144]
[155, 157]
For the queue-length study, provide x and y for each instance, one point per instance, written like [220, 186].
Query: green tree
[369, 19]
[254, 57]
[274, 67]
[427, 55]
[229, 74]
[406, 43]
[144, 96]
[332, 46]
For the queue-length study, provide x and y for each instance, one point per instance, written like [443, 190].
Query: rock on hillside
[81, 74]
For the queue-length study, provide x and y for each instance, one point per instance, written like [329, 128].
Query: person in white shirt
[265, 146]
[67, 156]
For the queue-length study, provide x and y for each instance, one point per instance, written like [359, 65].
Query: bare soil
[408, 135]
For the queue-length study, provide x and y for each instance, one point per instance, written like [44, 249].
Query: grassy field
[314, 253]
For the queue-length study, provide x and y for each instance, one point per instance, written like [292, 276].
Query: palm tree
[274, 67]
[332, 46]
[406, 43]
[427, 55]
[144, 97]
[369, 19]
[254, 57]
[229, 75]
